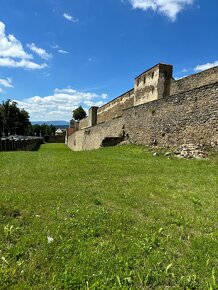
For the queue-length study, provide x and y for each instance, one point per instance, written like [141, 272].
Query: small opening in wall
[144, 79]
[152, 75]
[153, 112]
[138, 82]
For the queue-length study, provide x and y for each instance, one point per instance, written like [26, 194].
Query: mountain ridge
[54, 123]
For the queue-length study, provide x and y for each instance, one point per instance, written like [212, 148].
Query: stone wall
[91, 138]
[84, 123]
[190, 117]
[186, 112]
[115, 108]
[194, 81]
[153, 84]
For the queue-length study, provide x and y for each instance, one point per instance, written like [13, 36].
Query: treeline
[15, 121]
[41, 130]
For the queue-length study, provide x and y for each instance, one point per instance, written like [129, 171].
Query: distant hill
[58, 124]
[54, 123]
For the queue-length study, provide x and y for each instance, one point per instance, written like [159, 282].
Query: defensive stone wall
[189, 117]
[194, 81]
[84, 123]
[91, 138]
[159, 110]
[153, 84]
[115, 108]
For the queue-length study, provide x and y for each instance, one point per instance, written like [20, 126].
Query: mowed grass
[115, 218]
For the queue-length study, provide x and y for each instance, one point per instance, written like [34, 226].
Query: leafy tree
[13, 120]
[79, 113]
[41, 130]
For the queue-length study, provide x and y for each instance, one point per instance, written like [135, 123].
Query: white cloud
[62, 51]
[70, 17]
[12, 53]
[59, 105]
[9, 62]
[40, 51]
[170, 8]
[6, 83]
[206, 66]
[65, 91]
[55, 46]
[10, 46]
[90, 103]
[46, 74]
[179, 78]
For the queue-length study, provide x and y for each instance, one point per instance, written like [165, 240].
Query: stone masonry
[158, 111]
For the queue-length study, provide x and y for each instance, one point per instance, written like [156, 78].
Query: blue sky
[58, 54]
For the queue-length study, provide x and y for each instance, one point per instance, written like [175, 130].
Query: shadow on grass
[36, 148]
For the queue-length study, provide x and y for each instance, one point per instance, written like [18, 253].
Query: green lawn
[115, 218]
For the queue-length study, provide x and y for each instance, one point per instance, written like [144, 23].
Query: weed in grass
[196, 201]
[97, 202]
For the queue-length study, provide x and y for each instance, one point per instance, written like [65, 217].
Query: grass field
[115, 218]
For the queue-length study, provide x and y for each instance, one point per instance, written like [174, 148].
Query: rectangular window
[138, 81]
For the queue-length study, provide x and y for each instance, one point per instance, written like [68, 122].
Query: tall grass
[115, 218]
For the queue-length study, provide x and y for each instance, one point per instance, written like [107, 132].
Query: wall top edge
[198, 73]
[156, 65]
[129, 91]
[173, 96]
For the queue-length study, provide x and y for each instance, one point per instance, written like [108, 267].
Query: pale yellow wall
[91, 138]
[145, 87]
[84, 123]
[115, 108]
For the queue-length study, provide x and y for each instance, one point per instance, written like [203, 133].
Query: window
[144, 79]
[152, 75]
[138, 81]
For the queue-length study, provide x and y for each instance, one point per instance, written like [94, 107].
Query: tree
[79, 113]
[13, 120]
[41, 130]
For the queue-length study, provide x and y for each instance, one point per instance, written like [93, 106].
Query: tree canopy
[13, 120]
[79, 113]
[41, 130]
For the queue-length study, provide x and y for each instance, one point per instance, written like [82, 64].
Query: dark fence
[20, 144]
